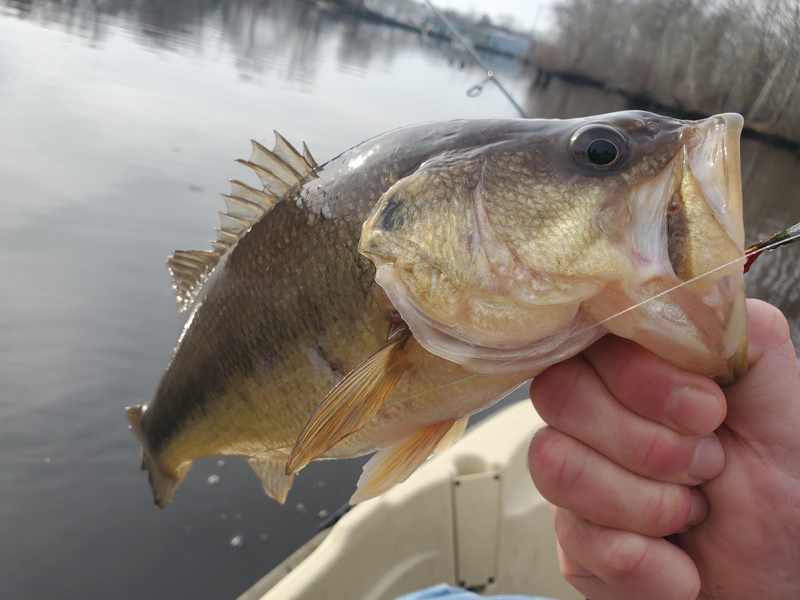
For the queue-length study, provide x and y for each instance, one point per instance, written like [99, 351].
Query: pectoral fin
[394, 464]
[270, 470]
[352, 403]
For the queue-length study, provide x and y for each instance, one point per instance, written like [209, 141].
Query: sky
[529, 14]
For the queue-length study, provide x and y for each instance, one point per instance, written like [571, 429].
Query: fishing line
[771, 243]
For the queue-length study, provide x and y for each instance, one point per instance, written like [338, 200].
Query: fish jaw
[687, 304]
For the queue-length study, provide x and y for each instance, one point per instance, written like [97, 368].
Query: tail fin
[163, 484]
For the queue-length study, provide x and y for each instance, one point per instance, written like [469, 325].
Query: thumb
[765, 404]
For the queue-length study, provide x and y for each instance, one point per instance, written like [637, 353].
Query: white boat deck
[470, 516]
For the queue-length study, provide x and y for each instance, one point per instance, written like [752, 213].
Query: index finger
[655, 389]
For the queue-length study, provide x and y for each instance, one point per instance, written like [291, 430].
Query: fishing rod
[476, 89]
[781, 238]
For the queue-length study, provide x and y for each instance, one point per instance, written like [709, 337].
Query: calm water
[118, 130]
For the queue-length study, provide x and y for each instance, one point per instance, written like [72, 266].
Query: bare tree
[735, 55]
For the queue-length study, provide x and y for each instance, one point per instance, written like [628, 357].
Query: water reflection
[562, 100]
[126, 118]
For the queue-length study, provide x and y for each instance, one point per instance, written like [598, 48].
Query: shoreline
[651, 104]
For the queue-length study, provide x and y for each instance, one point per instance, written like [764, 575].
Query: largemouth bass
[379, 300]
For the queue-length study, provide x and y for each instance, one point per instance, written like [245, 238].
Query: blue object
[446, 592]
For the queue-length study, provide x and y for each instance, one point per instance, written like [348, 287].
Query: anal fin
[352, 403]
[452, 436]
[270, 470]
[394, 464]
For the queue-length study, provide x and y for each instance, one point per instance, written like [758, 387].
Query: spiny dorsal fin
[242, 209]
[244, 192]
[270, 470]
[188, 271]
[307, 155]
[291, 157]
[233, 224]
[282, 171]
[394, 464]
[352, 403]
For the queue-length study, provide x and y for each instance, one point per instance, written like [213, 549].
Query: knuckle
[553, 391]
[667, 509]
[623, 556]
[661, 455]
[627, 362]
[652, 457]
[555, 464]
[576, 580]
[572, 466]
[573, 533]
[544, 457]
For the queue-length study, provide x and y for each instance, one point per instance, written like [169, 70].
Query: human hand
[629, 458]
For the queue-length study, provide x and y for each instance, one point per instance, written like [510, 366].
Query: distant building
[404, 11]
[483, 33]
[505, 41]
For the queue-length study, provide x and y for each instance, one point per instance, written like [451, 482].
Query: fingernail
[699, 508]
[694, 409]
[709, 458]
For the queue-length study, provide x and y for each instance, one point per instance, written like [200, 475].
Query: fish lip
[709, 140]
[717, 138]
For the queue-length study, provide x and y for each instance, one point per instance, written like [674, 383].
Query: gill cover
[468, 293]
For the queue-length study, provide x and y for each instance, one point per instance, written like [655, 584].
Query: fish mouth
[689, 304]
[713, 158]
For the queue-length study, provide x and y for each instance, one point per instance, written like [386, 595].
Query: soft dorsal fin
[270, 470]
[352, 403]
[394, 464]
[282, 171]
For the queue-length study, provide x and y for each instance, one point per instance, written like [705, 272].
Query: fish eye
[599, 146]
[601, 153]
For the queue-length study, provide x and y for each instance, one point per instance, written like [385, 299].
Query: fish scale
[377, 301]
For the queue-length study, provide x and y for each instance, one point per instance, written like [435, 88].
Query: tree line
[695, 55]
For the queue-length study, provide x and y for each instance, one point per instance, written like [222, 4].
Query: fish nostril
[675, 204]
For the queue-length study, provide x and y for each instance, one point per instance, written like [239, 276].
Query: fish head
[522, 248]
